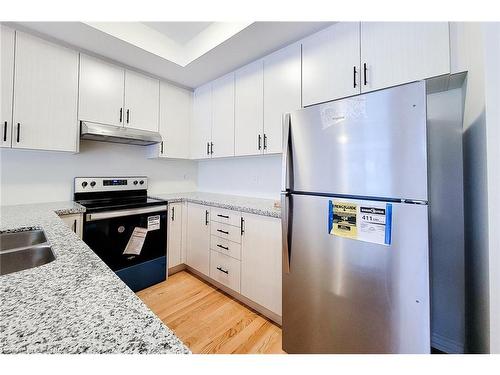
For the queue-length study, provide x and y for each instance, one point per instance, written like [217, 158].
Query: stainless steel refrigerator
[355, 225]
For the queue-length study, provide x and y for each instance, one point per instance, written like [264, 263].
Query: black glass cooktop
[106, 204]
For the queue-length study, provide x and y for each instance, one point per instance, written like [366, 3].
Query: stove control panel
[95, 184]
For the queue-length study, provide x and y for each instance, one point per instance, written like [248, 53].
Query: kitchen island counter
[74, 304]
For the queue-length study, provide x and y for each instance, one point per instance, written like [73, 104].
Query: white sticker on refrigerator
[153, 222]
[373, 222]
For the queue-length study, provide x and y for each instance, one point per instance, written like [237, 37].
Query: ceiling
[186, 53]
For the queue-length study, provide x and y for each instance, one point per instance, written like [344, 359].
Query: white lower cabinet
[261, 261]
[174, 234]
[225, 270]
[75, 222]
[225, 246]
[198, 237]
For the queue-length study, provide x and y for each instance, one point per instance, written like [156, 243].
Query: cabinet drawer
[224, 246]
[226, 231]
[225, 270]
[230, 217]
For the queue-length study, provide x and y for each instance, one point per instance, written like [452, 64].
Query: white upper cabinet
[101, 91]
[249, 102]
[175, 119]
[222, 143]
[7, 84]
[281, 93]
[202, 122]
[401, 52]
[330, 63]
[45, 95]
[142, 101]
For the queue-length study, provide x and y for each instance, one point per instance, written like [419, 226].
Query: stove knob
[84, 184]
[142, 182]
[135, 182]
[92, 183]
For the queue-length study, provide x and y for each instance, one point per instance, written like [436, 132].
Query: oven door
[108, 234]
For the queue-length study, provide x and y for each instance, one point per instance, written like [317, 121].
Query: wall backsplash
[39, 176]
[256, 176]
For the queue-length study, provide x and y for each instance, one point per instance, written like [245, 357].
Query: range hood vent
[118, 134]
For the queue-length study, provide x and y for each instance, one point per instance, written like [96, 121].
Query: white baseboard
[446, 345]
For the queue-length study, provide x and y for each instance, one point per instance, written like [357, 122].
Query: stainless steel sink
[22, 250]
[17, 240]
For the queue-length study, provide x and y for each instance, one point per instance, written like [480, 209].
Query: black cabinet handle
[223, 270]
[161, 146]
[365, 70]
[208, 148]
[222, 231]
[211, 148]
[259, 141]
[354, 78]
[5, 131]
[265, 142]
[242, 226]
[223, 247]
[121, 115]
[128, 115]
[224, 216]
[74, 226]
[18, 132]
[206, 217]
[173, 213]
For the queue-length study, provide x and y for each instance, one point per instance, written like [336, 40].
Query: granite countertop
[251, 205]
[74, 304]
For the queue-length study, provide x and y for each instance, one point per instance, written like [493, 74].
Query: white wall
[37, 176]
[475, 48]
[257, 176]
[492, 79]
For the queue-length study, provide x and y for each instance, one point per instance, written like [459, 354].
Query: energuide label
[370, 222]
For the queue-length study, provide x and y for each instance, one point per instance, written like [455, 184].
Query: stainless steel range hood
[117, 134]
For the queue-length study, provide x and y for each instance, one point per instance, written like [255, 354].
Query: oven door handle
[120, 213]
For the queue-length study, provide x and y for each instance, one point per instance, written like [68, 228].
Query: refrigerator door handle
[285, 233]
[286, 163]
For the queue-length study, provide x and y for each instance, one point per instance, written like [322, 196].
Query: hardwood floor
[208, 320]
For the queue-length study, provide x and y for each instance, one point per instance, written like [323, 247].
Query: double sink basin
[22, 250]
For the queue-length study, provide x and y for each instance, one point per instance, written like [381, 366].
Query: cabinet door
[281, 93]
[261, 261]
[142, 101]
[248, 110]
[330, 64]
[223, 116]
[198, 237]
[174, 234]
[7, 84]
[202, 122]
[74, 222]
[101, 91]
[402, 52]
[45, 95]
[175, 118]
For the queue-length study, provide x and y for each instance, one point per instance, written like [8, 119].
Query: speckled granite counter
[257, 206]
[74, 304]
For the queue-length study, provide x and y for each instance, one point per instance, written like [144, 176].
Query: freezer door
[347, 296]
[372, 145]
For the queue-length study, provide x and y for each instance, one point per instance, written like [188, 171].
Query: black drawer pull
[222, 231]
[121, 115]
[223, 270]
[223, 247]
[5, 131]
[18, 131]
[365, 68]
[224, 216]
[355, 77]
[208, 148]
[206, 217]
[128, 115]
[242, 226]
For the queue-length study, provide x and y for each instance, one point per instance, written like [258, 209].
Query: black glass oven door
[108, 234]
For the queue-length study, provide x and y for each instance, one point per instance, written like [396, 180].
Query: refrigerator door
[372, 145]
[347, 296]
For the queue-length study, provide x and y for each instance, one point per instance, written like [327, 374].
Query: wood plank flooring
[208, 320]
